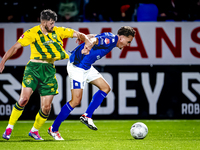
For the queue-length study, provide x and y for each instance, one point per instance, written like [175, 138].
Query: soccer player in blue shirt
[81, 71]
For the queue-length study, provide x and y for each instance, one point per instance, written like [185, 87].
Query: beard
[49, 30]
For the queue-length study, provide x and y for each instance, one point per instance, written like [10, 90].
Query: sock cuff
[18, 107]
[69, 106]
[43, 115]
[104, 94]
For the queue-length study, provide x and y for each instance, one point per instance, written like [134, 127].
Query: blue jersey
[107, 41]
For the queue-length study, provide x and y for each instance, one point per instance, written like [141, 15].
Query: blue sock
[64, 113]
[97, 99]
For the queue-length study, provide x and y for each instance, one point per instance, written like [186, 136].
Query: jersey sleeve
[105, 40]
[65, 32]
[26, 38]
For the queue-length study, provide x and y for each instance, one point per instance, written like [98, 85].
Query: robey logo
[186, 76]
[188, 89]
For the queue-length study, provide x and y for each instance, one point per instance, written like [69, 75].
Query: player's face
[124, 41]
[49, 25]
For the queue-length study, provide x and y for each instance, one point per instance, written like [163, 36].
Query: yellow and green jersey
[46, 46]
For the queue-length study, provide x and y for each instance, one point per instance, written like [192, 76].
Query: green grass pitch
[111, 135]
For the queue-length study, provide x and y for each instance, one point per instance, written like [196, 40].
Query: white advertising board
[158, 43]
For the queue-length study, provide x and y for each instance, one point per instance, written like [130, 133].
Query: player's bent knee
[107, 89]
[46, 109]
[23, 101]
[75, 103]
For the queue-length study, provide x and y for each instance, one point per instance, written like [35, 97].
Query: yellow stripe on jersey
[46, 46]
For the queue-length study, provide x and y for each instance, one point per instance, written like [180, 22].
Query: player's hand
[85, 51]
[78, 41]
[88, 46]
[1, 67]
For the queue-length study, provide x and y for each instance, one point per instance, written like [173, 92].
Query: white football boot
[56, 135]
[88, 122]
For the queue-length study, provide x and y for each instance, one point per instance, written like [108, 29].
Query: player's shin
[64, 113]
[15, 114]
[97, 99]
[39, 120]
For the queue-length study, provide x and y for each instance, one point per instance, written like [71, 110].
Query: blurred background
[101, 11]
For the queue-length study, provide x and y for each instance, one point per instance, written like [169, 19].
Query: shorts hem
[48, 94]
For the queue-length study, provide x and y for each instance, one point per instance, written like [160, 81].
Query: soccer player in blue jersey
[81, 71]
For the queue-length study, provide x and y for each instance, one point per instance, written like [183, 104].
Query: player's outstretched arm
[88, 35]
[88, 44]
[8, 54]
[91, 35]
[94, 41]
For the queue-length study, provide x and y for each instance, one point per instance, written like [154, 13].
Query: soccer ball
[139, 130]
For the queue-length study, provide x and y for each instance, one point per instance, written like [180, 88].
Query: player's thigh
[101, 84]
[30, 76]
[95, 78]
[77, 76]
[75, 72]
[47, 84]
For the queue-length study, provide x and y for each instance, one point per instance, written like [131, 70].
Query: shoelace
[58, 134]
[36, 133]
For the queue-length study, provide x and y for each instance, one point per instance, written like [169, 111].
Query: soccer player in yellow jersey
[46, 45]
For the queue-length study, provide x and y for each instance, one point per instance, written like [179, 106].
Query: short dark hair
[48, 14]
[126, 31]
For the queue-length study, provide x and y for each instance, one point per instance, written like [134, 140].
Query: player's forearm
[94, 41]
[91, 35]
[9, 53]
[83, 37]
[80, 36]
